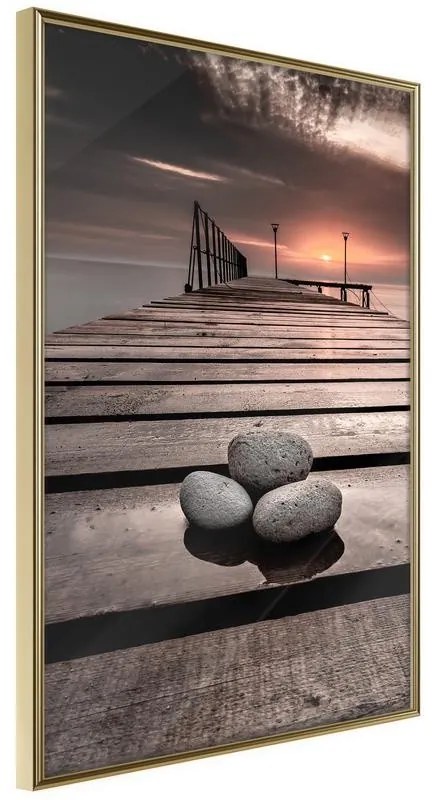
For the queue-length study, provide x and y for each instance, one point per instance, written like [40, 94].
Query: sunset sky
[136, 132]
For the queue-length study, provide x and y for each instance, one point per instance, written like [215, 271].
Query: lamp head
[345, 234]
[275, 226]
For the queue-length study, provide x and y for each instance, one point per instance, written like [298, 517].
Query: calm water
[81, 291]
[396, 298]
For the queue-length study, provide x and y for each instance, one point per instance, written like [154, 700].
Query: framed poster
[217, 398]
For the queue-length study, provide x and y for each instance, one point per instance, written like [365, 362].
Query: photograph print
[227, 347]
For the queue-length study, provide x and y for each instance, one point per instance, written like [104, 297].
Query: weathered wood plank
[135, 372]
[226, 686]
[284, 292]
[242, 302]
[262, 282]
[91, 339]
[284, 314]
[157, 400]
[281, 306]
[288, 303]
[313, 298]
[221, 290]
[118, 549]
[266, 298]
[179, 353]
[119, 446]
[221, 330]
[209, 315]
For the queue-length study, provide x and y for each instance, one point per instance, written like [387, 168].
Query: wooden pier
[160, 641]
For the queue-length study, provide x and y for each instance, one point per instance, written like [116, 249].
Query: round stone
[262, 461]
[297, 510]
[214, 502]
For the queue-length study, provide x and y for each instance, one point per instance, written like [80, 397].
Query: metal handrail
[366, 288]
[213, 257]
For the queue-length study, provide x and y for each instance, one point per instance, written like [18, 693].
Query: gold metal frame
[30, 447]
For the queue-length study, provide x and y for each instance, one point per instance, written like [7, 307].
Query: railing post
[192, 254]
[218, 236]
[198, 245]
[343, 288]
[224, 251]
[207, 247]
[214, 252]
[226, 259]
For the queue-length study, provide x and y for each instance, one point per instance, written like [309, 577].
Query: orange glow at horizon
[317, 246]
[323, 244]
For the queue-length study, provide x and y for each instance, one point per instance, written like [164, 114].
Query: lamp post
[275, 226]
[345, 235]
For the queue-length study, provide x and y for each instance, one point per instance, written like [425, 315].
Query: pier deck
[160, 642]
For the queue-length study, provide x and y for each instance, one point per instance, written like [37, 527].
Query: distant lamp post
[345, 235]
[275, 226]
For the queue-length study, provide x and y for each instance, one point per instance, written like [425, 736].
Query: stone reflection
[278, 563]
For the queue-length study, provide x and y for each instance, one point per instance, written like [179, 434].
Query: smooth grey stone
[261, 461]
[212, 501]
[292, 512]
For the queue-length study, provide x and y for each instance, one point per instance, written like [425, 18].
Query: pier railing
[213, 257]
[344, 288]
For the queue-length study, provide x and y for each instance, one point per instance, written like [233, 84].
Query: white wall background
[388, 38]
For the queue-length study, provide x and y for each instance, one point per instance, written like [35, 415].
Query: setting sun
[326, 258]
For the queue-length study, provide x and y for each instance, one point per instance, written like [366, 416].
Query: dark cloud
[303, 104]
[136, 132]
